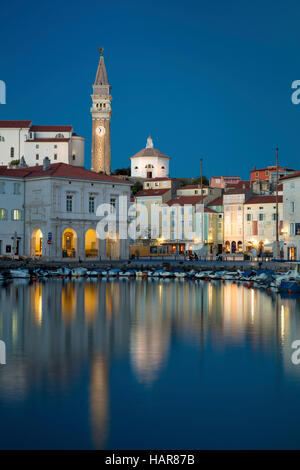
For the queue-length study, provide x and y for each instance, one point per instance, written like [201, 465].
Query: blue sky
[205, 79]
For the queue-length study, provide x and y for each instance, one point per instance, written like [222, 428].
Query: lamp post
[277, 244]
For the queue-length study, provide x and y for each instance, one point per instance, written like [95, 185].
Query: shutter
[12, 214]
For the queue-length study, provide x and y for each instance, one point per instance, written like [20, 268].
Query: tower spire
[101, 80]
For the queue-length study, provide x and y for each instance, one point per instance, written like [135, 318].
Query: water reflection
[55, 330]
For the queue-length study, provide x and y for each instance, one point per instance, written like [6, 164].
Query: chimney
[46, 164]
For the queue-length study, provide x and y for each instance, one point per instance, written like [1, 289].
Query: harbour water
[129, 364]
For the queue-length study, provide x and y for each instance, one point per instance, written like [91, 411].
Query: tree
[198, 180]
[122, 171]
[136, 187]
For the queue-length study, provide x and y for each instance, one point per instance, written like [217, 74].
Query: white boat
[64, 271]
[79, 272]
[19, 273]
[180, 274]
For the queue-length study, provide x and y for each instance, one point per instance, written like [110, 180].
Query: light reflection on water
[140, 364]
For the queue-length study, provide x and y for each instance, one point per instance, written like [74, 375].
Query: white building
[52, 213]
[291, 215]
[149, 163]
[23, 139]
[11, 213]
[260, 222]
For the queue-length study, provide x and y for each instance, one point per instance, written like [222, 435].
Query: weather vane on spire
[101, 49]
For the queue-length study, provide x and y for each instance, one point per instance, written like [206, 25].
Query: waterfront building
[149, 163]
[11, 214]
[101, 116]
[54, 214]
[260, 223]
[208, 234]
[151, 198]
[34, 142]
[291, 215]
[233, 201]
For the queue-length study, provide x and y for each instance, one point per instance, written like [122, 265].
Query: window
[196, 191]
[274, 216]
[292, 184]
[261, 217]
[59, 136]
[2, 139]
[37, 157]
[55, 146]
[69, 203]
[3, 214]
[37, 146]
[2, 187]
[55, 156]
[136, 168]
[16, 214]
[292, 229]
[73, 157]
[112, 204]
[12, 152]
[292, 207]
[249, 216]
[17, 187]
[91, 204]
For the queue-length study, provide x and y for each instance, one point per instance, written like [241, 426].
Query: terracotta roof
[15, 124]
[217, 202]
[236, 191]
[210, 211]
[295, 174]
[240, 184]
[150, 152]
[59, 170]
[182, 200]
[263, 200]
[152, 192]
[51, 128]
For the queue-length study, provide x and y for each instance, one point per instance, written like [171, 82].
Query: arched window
[162, 167]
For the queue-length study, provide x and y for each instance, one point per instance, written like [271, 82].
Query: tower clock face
[100, 130]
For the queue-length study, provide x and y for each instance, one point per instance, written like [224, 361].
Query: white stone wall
[25, 143]
[142, 162]
[266, 228]
[291, 215]
[46, 210]
[9, 201]
[13, 138]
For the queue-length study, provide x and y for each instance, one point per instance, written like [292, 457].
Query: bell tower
[101, 114]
